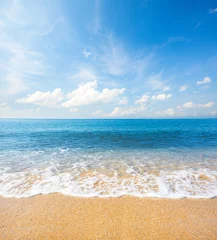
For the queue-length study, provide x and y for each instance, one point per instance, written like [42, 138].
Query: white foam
[134, 180]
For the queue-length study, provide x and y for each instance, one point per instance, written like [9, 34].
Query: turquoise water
[109, 158]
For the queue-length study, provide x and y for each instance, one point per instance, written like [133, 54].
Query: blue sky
[108, 59]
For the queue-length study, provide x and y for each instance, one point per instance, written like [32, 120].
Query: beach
[56, 216]
[108, 179]
[108, 120]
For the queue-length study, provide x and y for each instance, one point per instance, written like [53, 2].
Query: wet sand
[56, 216]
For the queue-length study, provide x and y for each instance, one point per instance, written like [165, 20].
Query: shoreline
[57, 216]
[110, 197]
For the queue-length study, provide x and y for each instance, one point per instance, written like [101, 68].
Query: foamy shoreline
[133, 181]
[56, 216]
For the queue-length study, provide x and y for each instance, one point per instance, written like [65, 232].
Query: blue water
[156, 158]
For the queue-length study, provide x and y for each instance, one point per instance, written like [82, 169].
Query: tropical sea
[109, 158]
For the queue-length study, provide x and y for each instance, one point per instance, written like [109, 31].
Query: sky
[108, 59]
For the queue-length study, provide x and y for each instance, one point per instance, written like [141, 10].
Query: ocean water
[109, 158]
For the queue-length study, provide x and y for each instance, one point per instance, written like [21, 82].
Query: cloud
[3, 105]
[15, 12]
[123, 101]
[167, 112]
[155, 82]
[183, 88]
[118, 111]
[189, 105]
[165, 89]
[207, 105]
[8, 112]
[172, 40]
[98, 113]
[212, 10]
[84, 75]
[29, 41]
[213, 113]
[122, 112]
[114, 61]
[114, 57]
[145, 98]
[95, 26]
[177, 39]
[206, 80]
[86, 53]
[73, 109]
[161, 97]
[198, 24]
[87, 94]
[20, 61]
[129, 111]
[48, 28]
[46, 99]
[193, 105]
[21, 64]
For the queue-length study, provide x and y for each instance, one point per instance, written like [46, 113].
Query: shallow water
[108, 158]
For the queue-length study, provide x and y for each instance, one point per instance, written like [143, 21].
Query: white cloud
[16, 13]
[189, 105]
[165, 89]
[84, 75]
[8, 112]
[73, 110]
[48, 28]
[95, 27]
[145, 98]
[207, 105]
[161, 96]
[118, 111]
[111, 57]
[212, 10]
[124, 112]
[87, 53]
[3, 105]
[155, 82]
[98, 113]
[23, 58]
[193, 105]
[167, 112]
[123, 101]
[183, 88]
[205, 81]
[22, 64]
[114, 58]
[47, 99]
[213, 113]
[87, 94]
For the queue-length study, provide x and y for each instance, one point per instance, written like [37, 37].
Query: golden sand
[56, 216]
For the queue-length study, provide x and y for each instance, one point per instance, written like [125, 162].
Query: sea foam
[80, 181]
[109, 158]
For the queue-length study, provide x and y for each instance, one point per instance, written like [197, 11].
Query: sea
[157, 158]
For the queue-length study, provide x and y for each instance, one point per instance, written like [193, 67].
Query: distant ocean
[109, 158]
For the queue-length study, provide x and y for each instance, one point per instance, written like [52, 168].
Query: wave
[110, 181]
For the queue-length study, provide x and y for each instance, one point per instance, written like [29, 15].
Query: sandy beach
[56, 216]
